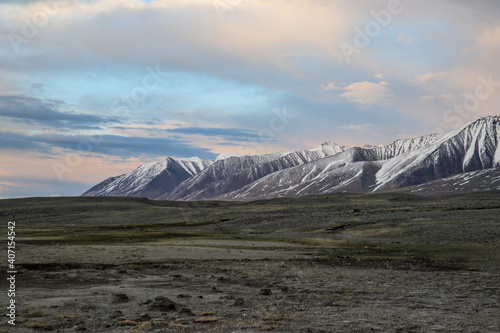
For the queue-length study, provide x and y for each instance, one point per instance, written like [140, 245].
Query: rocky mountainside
[150, 180]
[474, 181]
[230, 174]
[401, 164]
[326, 169]
[474, 147]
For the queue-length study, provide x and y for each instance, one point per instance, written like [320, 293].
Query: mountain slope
[474, 181]
[339, 173]
[400, 164]
[329, 168]
[150, 180]
[95, 190]
[474, 147]
[352, 171]
[400, 147]
[229, 174]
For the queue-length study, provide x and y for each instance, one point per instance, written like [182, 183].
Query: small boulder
[265, 292]
[163, 304]
[239, 302]
[127, 323]
[186, 312]
[120, 298]
[143, 317]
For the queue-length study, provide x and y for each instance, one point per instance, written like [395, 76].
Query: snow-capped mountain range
[326, 169]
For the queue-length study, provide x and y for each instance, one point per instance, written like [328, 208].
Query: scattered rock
[146, 302]
[265, 292]
[239, 302]
[116, 314]
[79, 328]
[186, 312]
[159, 323]
[127, 323]
[143, 317]
[120, 298]
[163, 303]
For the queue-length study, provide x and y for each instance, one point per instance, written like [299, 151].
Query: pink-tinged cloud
[368, 93]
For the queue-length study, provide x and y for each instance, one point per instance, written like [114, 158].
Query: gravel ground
[308, 293]
[339, 263]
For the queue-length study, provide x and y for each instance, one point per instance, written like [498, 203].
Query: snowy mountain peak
[151, 179]
[195, 159]
[473, 147]
[224, 156]
[328, 148]
[327, 168]
[488, 120]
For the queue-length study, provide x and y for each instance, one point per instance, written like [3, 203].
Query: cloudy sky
[93, 88]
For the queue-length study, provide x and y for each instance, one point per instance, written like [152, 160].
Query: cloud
[404, 39]
[110, 145]
[360, 128]
[430, 98]
[427, 98]
[230, 134]
[33, 187]
[16, 141]
[248, 46]
[329, 86]
[487, 40]
[231, 73]
[424, 78]
[367, 93]
[34, 110]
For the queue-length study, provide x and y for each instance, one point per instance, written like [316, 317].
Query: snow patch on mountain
[149, 179]
[324, 169]
[470, 148]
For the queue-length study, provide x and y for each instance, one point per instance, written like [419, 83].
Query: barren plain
[334, 263]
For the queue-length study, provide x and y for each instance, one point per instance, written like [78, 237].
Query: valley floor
[340, 263]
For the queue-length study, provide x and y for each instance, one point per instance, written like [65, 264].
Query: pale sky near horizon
[94, 88]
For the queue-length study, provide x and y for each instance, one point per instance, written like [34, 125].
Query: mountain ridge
[328, 168]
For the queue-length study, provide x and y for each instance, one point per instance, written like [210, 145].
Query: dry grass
[207, 314]
[204, 320]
